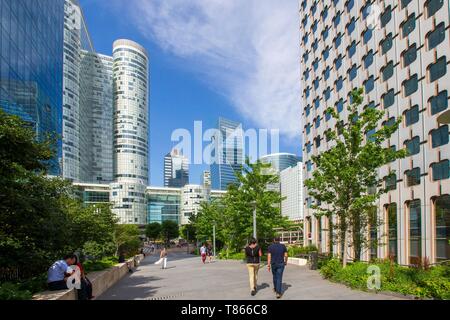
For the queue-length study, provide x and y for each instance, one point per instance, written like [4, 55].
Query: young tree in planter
[345, 182]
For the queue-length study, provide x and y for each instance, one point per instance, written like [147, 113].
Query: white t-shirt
[203, 250]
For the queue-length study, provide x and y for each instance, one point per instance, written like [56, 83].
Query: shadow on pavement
[285, 287]
[131, 287]
[262, 286]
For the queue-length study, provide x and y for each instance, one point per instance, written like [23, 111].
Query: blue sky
[209, 59]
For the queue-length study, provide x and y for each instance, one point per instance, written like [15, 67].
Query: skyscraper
[205, 179]
[130, 76]
[281, 161]
[291, 189]
[31, 65]
[176, 170]
[402, 66]
[228, 154]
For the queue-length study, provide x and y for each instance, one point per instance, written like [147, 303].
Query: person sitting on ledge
[59, 272]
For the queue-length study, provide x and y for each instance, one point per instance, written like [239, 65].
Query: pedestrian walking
[162, 258]
[253, 254]
[277, 257]
[209, 252]
[203, 253]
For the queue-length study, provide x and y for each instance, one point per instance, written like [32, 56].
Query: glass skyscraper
[31, 65]
[176, 170]
[228, 154]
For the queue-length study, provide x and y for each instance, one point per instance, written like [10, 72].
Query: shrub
[330, 269]
[296, 250]
[99, 265]
[13, 291]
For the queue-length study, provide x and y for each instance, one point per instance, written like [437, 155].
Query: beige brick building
[399, 51]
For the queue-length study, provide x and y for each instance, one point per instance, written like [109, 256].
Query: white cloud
[247, 50]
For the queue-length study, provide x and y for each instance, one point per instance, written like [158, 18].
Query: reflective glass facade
[162, 207]
[31, 65]
[281, 161]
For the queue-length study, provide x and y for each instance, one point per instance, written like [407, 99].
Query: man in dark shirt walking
[277, 257]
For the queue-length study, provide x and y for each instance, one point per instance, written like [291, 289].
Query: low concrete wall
[101, 281]
[297, 261]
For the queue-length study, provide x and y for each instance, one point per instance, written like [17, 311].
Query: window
[367, 35]
[327, 116]
[305, 57]
[410, 86]
[338, 41]
[433, 6]
[316, 83]
[438, 69]
[352, 72]
[442, 218]
[370, 135]
[409, 55]
[412, 177]
[390, 122]
[412, 115]
[390, 182]
[337, 19]
[314, 27]
[351, 27]
[317, 122]
[314, 9]
[369, 84]
[307, 92]
[308, 128]
[349, 4]
[306, 74]
[351, 49]
[340, 106]
[386, 44]
[415, 231]
[324, 14]
[373, 233]
[388, 71]
[316, 64]
[386, 16]
[413, 146]
[439, 137]
[326, 73]
[327, 94]
[308, 147]
[409, 25]
[392, 230]
[439, 103]
[325, 34]
[339, 83]
[441, 170]
[405, 3]
[307, 110]
[368, 59]
[315, 45]
[435, 37]
[305, 39]
[309, 166]
[317, 103]
[338, 62]
[317, 141]
[388, 98]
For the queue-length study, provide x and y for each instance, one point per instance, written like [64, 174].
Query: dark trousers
[85, 293]
[277, 272]
[57, 285]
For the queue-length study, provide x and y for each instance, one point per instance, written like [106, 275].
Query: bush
[96, 251]
[231, 255]
[99, 265]
[432, 283]
[14, 291]
[296, 250]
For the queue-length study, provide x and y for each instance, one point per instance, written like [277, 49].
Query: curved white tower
[131, 118]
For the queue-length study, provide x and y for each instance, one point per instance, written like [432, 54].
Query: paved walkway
[187, 278]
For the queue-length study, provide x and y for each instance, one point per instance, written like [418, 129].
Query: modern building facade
[281, 161]
[205, 179]
[228, 155]
[31, 66]
[402, 65]
[163, 204]
[176, 170]
[92, 194]
[291, 189]
[191, 198]
[131, 118]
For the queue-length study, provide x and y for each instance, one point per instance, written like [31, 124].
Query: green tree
[188, 232]
[34, 229]
[169, 230]
[345, 181]
[153, 230]
[126, 238]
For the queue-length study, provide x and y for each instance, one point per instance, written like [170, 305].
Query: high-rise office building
[228, 154]
[31, 65]
[131, 118]
[97, 103]
[205, 179]
[403, 67]
[192, 197]
[163, 204]
[281, 161]
[176, 170]
[291, 189]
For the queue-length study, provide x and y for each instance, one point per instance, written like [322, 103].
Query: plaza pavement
[187, 278]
